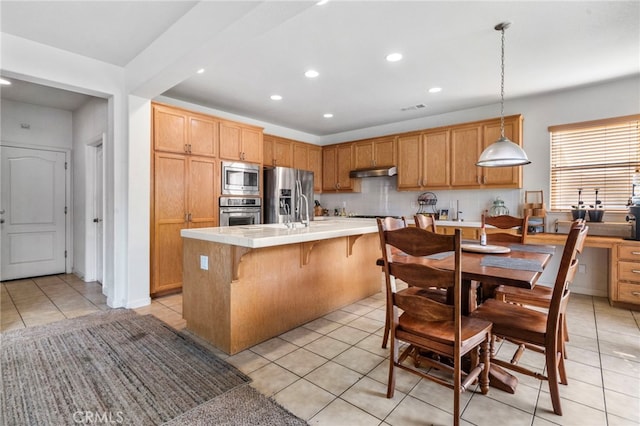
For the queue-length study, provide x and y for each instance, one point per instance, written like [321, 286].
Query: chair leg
[565, 336]
[560, 360]
[486, 360]
[393, 359]
[385, 337]
[551, 355]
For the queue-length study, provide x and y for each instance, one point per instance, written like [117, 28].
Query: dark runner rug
[114, 367]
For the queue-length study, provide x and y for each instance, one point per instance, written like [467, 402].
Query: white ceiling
[251, 50]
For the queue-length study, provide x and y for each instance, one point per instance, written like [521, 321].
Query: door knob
[96, 220]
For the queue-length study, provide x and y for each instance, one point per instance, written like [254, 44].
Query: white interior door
[98, 212]
[33, 206]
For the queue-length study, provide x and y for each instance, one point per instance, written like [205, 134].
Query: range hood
[374, 172]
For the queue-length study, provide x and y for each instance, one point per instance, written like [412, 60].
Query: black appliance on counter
[633, 217]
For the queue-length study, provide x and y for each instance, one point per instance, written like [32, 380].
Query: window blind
[600, 155]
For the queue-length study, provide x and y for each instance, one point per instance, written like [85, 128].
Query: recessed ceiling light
[311, 74]
[435, 90]
[328, 115]
[394, 57]
[322, 2]
[4, 82]
[276, 97]
[200, 71]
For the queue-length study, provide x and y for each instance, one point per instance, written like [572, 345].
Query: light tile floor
[332, 371]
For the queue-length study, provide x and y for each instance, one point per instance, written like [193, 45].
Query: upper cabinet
[504, 177]
[423, 161]
[183, 132]
[277, 151]
[240, 142]
[337, 162]
[309, 157]
[378, 152]
[468, 142]
[445, 158]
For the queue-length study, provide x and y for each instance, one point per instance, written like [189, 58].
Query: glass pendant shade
[503, 153]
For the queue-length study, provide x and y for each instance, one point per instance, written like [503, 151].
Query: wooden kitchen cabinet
[277, 151]
[377, 152]
[423, 161]
[309, 157]
[503, 177]
[239, 142]
[467, 233]
[181, 131]
[624, 282]
[467, 143]
[337, 162]
[315, 165]
[184, 196]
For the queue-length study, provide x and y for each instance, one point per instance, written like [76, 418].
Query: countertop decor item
[596, 211]
[426, 201]
[498, 208]
[503, 152]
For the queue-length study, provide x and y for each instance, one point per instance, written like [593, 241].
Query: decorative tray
[477, 248]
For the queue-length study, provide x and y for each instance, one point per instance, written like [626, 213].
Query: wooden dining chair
[514, 229]
[390, 223]
[511, 229]
[539, 296]
[426, 324]
[425, 221]
[523, 325]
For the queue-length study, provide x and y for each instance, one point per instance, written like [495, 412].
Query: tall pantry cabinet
[185, 176]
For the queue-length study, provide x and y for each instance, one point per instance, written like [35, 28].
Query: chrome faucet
[303, 197]
[287, 214]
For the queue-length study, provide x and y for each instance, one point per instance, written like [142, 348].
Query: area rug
[118, 367]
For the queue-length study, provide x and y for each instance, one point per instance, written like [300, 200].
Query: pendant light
[503, 152]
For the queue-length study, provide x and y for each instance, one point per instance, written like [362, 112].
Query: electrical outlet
[204, 263]
[582, 269]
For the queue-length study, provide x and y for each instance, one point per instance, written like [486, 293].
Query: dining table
[518, 265]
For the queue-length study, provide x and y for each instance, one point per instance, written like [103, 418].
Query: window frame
[569, 141]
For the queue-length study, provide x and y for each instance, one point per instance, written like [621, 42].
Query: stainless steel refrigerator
[285, 191]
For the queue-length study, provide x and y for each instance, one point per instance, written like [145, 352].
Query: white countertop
[256, 236]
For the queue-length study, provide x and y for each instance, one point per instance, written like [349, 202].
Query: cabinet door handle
[186, 217]
[189, 216]
[186, 149]
[189, 148]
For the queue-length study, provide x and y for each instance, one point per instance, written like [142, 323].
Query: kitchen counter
[268, 235]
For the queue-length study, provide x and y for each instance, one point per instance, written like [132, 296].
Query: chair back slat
[421, 275]
[425, 221]
[412, 241]
[423, 308]
[507, 222]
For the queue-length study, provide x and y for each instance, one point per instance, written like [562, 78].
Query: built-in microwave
[240, 178]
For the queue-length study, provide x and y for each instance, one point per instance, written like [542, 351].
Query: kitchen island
[246, 284]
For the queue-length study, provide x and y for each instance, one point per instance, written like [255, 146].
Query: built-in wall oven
[239, 211]
[240, 178]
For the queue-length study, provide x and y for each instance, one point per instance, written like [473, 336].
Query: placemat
[440, 256]
[511, 263]
[534, 248]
